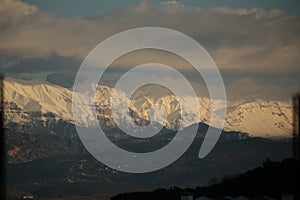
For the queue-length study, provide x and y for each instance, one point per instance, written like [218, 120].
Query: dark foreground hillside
[272, 179]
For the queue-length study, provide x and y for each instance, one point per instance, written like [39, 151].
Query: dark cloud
[63, 79]
[50, 63]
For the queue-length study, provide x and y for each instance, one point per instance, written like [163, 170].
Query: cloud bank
[244, 39]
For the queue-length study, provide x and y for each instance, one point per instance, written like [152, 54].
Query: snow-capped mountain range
[31, 102]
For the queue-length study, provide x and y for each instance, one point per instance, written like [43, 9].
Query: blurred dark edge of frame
[2, 143]
[296, 126]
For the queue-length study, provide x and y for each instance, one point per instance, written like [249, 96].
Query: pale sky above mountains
[255, 39]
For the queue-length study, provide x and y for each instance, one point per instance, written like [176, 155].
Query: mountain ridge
[27, 102]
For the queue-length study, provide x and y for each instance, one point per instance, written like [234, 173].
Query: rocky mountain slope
[31, 104]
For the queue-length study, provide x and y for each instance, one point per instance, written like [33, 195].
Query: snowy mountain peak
[27, 102]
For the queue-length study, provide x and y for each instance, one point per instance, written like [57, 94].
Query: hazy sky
[246, 38]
